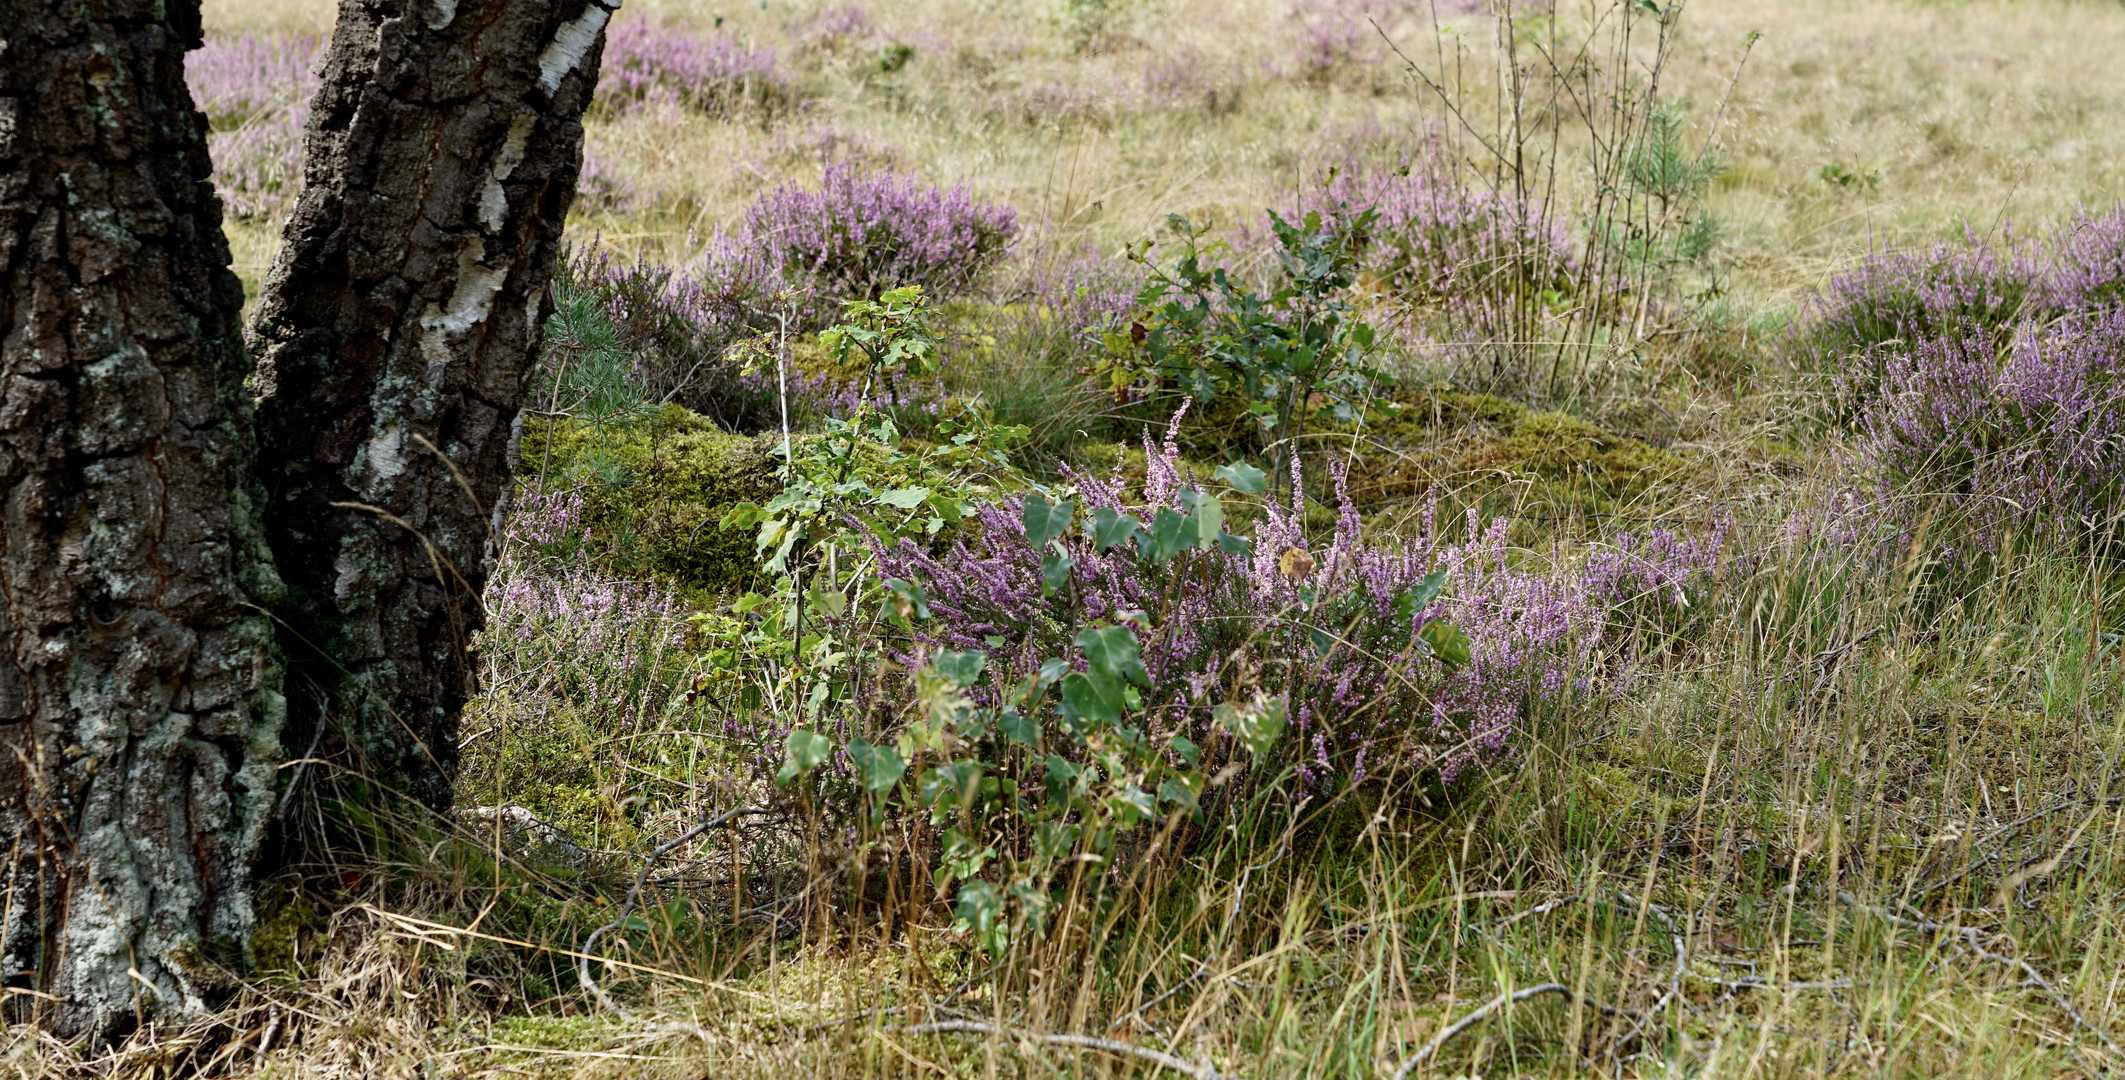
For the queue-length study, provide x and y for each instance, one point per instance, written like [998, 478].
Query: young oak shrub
[1293, 348]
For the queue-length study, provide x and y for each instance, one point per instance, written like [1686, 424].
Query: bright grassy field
[1856, 829]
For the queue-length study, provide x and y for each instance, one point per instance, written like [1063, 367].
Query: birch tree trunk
[139, 727]
[396, 331]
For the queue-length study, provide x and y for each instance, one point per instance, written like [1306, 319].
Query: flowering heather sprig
[256, 94]
[1162, 473]
[573, 639]
[542, 518]
[653, 61]
[863, 233]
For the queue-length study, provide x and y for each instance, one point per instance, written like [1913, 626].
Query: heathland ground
[1769, 731]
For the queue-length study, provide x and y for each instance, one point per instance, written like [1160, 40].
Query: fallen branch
[1183, 1066]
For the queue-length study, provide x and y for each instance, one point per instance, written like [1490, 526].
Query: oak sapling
[1198, 329]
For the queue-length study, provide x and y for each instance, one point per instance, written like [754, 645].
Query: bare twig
[1971, 938]
[1202, 1071]
[634, 897]
[1483, 1011]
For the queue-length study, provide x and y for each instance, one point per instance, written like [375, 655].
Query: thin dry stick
[1968, 937]
[634, 897]
[1202, 1071]
[1682, 965]
[1483, 1011]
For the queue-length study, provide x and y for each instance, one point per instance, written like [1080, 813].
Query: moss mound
[1437, 440]
[654, 494]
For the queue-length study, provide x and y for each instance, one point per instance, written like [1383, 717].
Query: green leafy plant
[1044, 777]
[856, 476]
[1199, 329]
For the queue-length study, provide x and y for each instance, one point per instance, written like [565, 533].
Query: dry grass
[1945, 115]
[1860, 823]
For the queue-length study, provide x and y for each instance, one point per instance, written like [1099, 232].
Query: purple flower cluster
[2087, 265]
[1336, 34]
[653, 62]
[836, 27]
[862, 233]
[256, 94]
[1898, 297]
[1361, 690]
[1438, 241]
[680, 323]
[543, 518]
[2032, 432]
[573, 639]
[1989, 372]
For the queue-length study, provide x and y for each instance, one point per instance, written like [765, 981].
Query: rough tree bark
[138, 720]
[396, 331]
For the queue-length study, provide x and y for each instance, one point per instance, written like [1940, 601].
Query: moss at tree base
[654, 493]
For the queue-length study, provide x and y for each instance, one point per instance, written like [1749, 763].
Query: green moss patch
[654, 493]
[1440, 441]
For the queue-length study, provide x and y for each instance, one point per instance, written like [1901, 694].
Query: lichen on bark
[139, 713]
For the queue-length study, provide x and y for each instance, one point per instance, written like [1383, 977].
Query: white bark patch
[494, 205]
[568, 46]
[469, 304]
[445, 10]
[349, 577]
[386, 453]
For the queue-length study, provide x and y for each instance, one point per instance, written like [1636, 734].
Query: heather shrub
[861, 234]
[1436, 241]
[1338, 34]
[2087, 264]
[256, 94]
[1898, 297]
[1410, 656]
[2031, 431]
[1989, 373]
[237, 80]
[574, 658]
[1655, 589]
[651, 61]
[1455, 271]
[836, 28]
